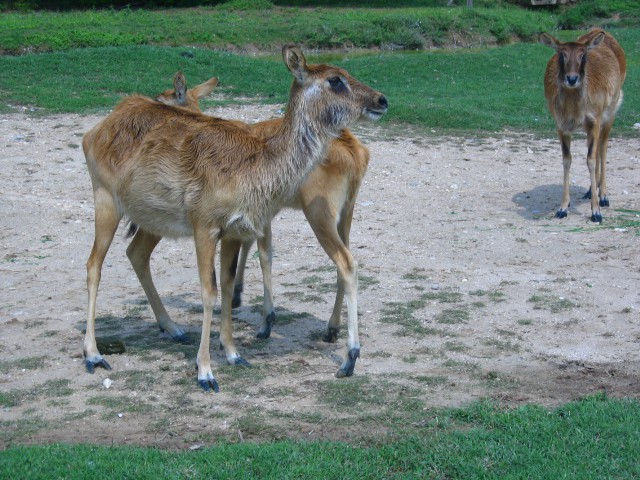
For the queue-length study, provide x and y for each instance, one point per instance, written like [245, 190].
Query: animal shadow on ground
[544, 200]
[136, 331]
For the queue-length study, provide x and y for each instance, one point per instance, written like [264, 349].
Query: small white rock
[106, 383]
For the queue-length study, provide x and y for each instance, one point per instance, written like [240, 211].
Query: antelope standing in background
[327, 197]
[583, 88]
[193, 175]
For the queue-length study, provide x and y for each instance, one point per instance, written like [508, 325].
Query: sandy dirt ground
[469, 290]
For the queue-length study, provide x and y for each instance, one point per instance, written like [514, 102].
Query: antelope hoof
[237, 296]
[331, 336]
[587, 195]
[604, 202]
[561, 213]
[596, 217]
[91, 366]
[241, 361]
[208, 385]
[265, 331]
[179, 336]
[346, 369]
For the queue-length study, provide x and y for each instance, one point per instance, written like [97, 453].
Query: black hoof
[237, 296]
[265, 331]
[331, 335]
[346, 370]
[91, 366]
[604, 202]
[587, 195]
[242, 362]
[561, 213]
[596, 217]
[208, 385]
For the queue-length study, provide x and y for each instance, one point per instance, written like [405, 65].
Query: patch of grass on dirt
[461, 366]
[317, 284]
[494, 295]
[442, 296]
[454, 346]
[416, 273]
[114, 404]
[430, 381]
[21, 429]
[303, 297]
[366, 281]
[451, 316]
[29, 363]
[403, 314]
[234, 378]
[50, 389]
[499, 380]
[136, 380]
[501, 345]
[547, 301]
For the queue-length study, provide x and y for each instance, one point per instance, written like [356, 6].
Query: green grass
[389, 28]
[593, 438]
[437, 90]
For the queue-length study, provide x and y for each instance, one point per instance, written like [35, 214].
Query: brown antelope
[174, 172]
[327, 197]
[583, 88]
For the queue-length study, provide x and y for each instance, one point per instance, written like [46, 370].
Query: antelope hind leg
[139, 253]
[229, 251]
[107, 219]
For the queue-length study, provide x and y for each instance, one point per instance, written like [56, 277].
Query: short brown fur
[327, 197]
[174, 173]
[583, 87]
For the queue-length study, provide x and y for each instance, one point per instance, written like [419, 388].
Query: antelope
[327, 197]
[175, 172]
[583, 87]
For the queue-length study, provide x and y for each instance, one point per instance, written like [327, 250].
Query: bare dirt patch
[469, 289]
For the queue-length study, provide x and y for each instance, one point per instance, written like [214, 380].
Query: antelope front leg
[593, 138]
[205, 253]
[601, 164]
[265, 252]
[229, 250]
[565, 142]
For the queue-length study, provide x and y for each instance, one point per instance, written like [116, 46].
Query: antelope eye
[337, 85]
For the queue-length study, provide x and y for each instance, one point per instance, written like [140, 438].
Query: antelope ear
[548, 40]
[596, 40]
[180, 85]
[295, 61]
[204, 89]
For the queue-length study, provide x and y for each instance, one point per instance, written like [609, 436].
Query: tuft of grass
[553, 303]
[452, 316]
[29, 363]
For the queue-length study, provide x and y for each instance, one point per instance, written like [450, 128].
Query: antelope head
[572, 57]
[330, 92]
[182, 97]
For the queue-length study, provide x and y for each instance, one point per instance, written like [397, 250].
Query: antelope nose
[572, 80]
[383, 102]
